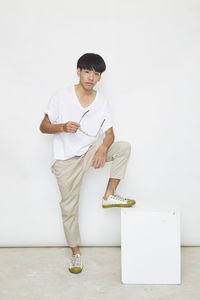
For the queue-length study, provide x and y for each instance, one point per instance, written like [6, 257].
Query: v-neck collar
[78, 102]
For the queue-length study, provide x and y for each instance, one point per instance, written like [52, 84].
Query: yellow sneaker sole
[75, 270]
[132, 202]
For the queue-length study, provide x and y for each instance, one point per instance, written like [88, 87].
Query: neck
[82, 91]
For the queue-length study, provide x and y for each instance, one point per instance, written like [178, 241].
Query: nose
[91, 75]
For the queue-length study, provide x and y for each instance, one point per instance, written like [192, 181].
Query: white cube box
[150, 246]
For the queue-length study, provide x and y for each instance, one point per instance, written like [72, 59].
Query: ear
[78, 72]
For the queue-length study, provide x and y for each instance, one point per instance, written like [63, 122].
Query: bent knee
[125, 147]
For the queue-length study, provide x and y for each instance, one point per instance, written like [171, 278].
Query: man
[76, 115]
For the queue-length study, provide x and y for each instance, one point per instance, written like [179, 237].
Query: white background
[151, 49]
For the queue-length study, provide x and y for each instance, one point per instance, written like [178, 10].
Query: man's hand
[99, 158]
[71, 126]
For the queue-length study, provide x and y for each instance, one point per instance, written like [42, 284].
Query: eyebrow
[92, 70]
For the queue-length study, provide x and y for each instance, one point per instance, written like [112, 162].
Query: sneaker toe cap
[131, 202]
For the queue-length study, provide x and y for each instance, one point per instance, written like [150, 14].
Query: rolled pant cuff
[116, 177]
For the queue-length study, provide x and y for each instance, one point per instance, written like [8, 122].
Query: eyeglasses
[85, 131]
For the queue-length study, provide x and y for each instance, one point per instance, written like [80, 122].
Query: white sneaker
[117, 201]
[76, 265]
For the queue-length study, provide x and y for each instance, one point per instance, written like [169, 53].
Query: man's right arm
[47, 127]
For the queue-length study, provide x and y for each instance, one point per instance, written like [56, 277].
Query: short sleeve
[108, 123]
[52, 108]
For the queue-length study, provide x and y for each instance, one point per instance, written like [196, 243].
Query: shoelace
[76, 260]
[120, 198]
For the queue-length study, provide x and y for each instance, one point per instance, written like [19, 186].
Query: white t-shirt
[64, 106]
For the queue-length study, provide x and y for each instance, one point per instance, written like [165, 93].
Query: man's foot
[76, 265]
[117, 201]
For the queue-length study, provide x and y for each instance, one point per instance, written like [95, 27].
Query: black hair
[91, 61]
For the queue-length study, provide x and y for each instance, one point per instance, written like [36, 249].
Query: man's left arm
[99, 158]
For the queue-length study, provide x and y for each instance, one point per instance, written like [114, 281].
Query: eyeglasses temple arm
[102, 122]
[84, 115]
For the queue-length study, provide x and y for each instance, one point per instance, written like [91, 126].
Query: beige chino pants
[69, 174]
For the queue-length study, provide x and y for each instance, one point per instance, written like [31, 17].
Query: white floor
[42, 273]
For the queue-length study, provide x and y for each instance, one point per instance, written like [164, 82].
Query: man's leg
[119, 153]
[69, 178]
[111, 187]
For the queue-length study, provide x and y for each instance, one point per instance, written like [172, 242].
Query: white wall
[151, 49]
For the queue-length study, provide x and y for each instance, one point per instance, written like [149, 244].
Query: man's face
[88, 78]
